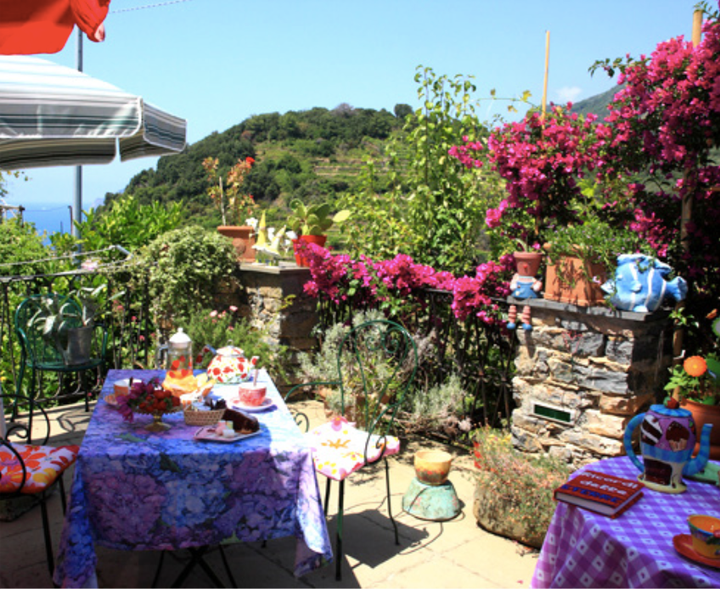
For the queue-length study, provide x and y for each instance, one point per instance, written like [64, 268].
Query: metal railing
[481, 354]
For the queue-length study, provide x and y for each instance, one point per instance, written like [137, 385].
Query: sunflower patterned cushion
[338, 448]
[43, 464]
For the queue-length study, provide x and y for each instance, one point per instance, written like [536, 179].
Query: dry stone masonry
[582, 374]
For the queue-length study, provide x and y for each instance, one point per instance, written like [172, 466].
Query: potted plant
[234, 204]
[696, 384]
[514, 493]
[527, 259]
[68, 321]
[582, 256]
[311, 223]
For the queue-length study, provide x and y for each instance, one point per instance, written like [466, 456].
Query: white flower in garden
[253, 222]
[291, 235]
[90, 264]
[271, 233]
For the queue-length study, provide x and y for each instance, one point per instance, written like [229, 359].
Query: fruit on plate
[180, 382]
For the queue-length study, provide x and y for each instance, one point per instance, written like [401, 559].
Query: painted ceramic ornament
[523, 287]
[229, 366]
[640, 284]
[667, 440]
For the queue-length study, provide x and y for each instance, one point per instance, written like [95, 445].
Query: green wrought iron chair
[376, 364]
[30, 470]
[41, 353]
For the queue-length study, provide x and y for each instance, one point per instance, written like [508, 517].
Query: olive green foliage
[311, 155]
[437, 408]
[431, 207]
[219, 328]
[187, 267]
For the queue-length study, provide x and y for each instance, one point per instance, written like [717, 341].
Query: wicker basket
[201, 418]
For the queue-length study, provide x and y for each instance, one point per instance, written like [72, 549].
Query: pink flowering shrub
[396, 285]
[542, 162]
[649, 154]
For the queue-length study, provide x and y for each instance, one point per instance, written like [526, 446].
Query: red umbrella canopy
[43, 26]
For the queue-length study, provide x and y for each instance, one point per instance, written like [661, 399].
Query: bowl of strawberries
[149, 399]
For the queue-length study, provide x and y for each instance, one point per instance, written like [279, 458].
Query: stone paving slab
[456, 553]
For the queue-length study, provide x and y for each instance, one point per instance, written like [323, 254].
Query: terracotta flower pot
[703, 414]
[320, 240]
[527, 263]
[575, 287]
[242, 238]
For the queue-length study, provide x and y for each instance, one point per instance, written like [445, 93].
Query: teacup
[705, 532]
[122, 387]
[251, 394]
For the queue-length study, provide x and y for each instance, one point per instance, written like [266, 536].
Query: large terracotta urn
[243, 239]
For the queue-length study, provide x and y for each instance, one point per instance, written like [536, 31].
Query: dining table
[637, 549]
[135, 489]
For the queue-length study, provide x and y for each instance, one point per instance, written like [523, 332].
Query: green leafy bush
[187, 268]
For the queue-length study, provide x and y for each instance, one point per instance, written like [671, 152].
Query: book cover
[602, 493]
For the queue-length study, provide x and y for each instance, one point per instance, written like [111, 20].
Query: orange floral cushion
[339, 448]
[43, 465]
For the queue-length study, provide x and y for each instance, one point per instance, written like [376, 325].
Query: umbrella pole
[77, 209]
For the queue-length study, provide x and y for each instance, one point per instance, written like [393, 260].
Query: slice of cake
[242, 424]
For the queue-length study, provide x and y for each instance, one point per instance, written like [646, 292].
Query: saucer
[683, 544]
[111, 400]
[266, 404]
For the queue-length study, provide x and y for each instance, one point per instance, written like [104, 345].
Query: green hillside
[597, 104]
[313, 155]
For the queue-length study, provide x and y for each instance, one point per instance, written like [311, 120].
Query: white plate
[207, 434]
[266, 404]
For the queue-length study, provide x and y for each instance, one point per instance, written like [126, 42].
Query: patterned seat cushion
[43, 464]
[339, 447]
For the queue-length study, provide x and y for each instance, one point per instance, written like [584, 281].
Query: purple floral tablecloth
[584, 549]
[137, 490]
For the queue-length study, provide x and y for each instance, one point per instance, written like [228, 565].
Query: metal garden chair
[39, 353]
[376, 364]
[28, 467]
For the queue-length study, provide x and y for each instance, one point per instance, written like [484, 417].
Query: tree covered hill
[314, 155]
[597, 104]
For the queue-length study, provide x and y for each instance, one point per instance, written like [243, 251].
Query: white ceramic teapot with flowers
[229, 366]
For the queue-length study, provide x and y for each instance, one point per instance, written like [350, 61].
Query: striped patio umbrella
[52, 115]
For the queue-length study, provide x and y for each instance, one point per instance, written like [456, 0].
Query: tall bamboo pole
[547, 68]
[689, 184]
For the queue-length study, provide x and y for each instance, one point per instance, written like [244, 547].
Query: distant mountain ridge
[597, 104]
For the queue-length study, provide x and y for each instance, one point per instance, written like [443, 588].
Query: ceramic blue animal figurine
[640, 284]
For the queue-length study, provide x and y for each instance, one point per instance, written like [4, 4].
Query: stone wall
[582, 374]
[265, 297]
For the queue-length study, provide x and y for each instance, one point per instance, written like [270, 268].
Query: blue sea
[48, 217]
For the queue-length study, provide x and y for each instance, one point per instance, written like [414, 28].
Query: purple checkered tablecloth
[584, 549]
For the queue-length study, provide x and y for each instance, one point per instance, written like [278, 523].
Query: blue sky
[217, 62]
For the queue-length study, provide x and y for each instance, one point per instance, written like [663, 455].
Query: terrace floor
[457, 553]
